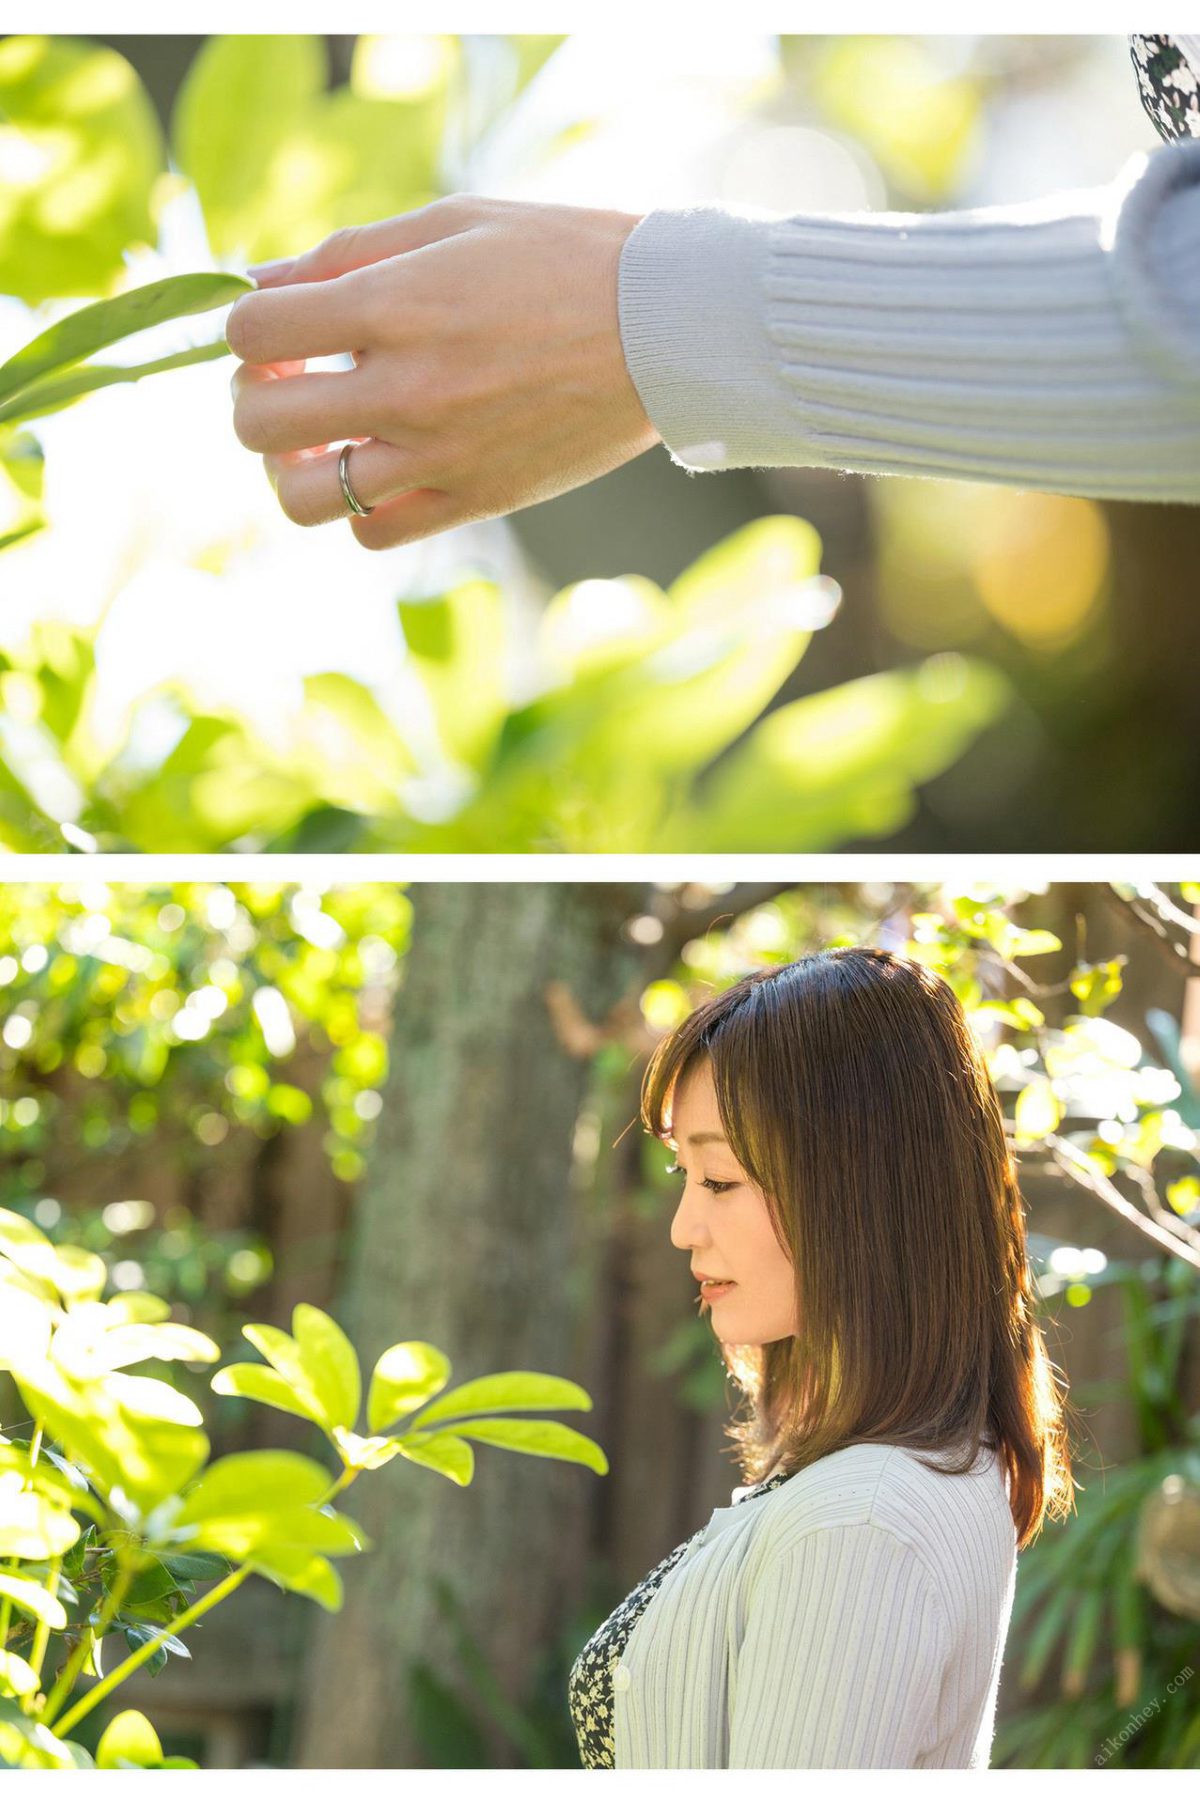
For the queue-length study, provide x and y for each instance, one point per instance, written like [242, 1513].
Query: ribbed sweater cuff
[1055, 345]
[695, 331]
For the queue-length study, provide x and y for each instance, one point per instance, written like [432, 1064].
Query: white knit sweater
[1053, 346]
[853, 1617]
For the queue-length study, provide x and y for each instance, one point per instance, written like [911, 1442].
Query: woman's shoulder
[898, 1489]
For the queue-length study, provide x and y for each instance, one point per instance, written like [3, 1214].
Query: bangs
[667, 1064]
[705, 1034]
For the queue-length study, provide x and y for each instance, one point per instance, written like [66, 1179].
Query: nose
[688, 1226]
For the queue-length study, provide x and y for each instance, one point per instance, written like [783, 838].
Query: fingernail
[279, 266]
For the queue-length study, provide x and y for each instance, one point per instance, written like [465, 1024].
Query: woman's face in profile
[724, 1224]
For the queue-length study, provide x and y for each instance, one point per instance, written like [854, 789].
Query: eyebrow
[700, 1139]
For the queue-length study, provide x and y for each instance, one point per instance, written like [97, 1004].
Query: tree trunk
[466, 1236]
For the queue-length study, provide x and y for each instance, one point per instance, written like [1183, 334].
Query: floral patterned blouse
[590, 1688]
[1169, 85]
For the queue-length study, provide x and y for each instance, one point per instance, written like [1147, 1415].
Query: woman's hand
[488, 370]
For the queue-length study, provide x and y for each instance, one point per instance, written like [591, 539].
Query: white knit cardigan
[1052, 346]
[853, 1617]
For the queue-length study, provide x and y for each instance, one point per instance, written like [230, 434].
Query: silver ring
[352, 500]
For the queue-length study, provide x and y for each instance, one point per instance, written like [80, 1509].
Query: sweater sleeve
[1053, 345]
[843, 1655]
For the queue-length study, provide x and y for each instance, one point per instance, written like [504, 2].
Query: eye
[717, 1185]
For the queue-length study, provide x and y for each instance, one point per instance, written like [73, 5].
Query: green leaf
[405, 1377]
[151, 1584]
[17, 1677]
[594, 629]
[363, 1453]
[262, 1385]
[331, 1363]
[443, 1453]
[186, 1567]
[26, 1743]
[137, 1306]
[72, 1272]
[839, 764]
[1046, 1632]
[58, 391]
[1095, 986]
[533, 51]
[1081, 1645]
[1183, 1194]
[137, 1638]
[130, 1344]
[456, 647]
[129, 1740]
[296, 1569]
[22, 484]
[103, 323]
[284, 1354]
[265, 1530]
[152, 1400]
[31, 1598]
[131, 1435]
[256, 1481]
[691, 674]
[360, 758]
[27, 1317]
[1030, 942]
[506, 1391]
[244, 101]
[137, 1635]
[89, 153]
[1037, 1111]
[550, 1440]
[31, 1528]
[52, 1477]
[772, 555]
[1017, 1011]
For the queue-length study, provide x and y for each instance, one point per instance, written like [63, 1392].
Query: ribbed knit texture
[854, 1617]
[1054, 345]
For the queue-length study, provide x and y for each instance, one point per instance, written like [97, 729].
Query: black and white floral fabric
[1168, 72]
[590, 1688]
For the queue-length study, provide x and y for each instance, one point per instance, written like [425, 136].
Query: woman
[852, 1215]
[507, 351]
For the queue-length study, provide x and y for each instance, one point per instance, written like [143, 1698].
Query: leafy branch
[112, 1514]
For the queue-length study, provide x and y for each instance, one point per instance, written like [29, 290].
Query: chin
[735, 1326]
[739, 1328]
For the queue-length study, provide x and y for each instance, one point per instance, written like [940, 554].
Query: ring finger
[309, 488]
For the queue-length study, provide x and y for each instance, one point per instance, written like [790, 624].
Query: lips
[712, 1287]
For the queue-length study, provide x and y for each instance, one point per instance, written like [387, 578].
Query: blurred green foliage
[895, 96]
[178, 1011]
[20, 487]
[85, 155]
[642, 691]
[274, 178]
[1083, 1607]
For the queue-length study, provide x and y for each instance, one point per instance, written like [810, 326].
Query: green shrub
[113, 1519]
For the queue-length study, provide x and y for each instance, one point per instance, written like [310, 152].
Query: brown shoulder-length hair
[855, 1097]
